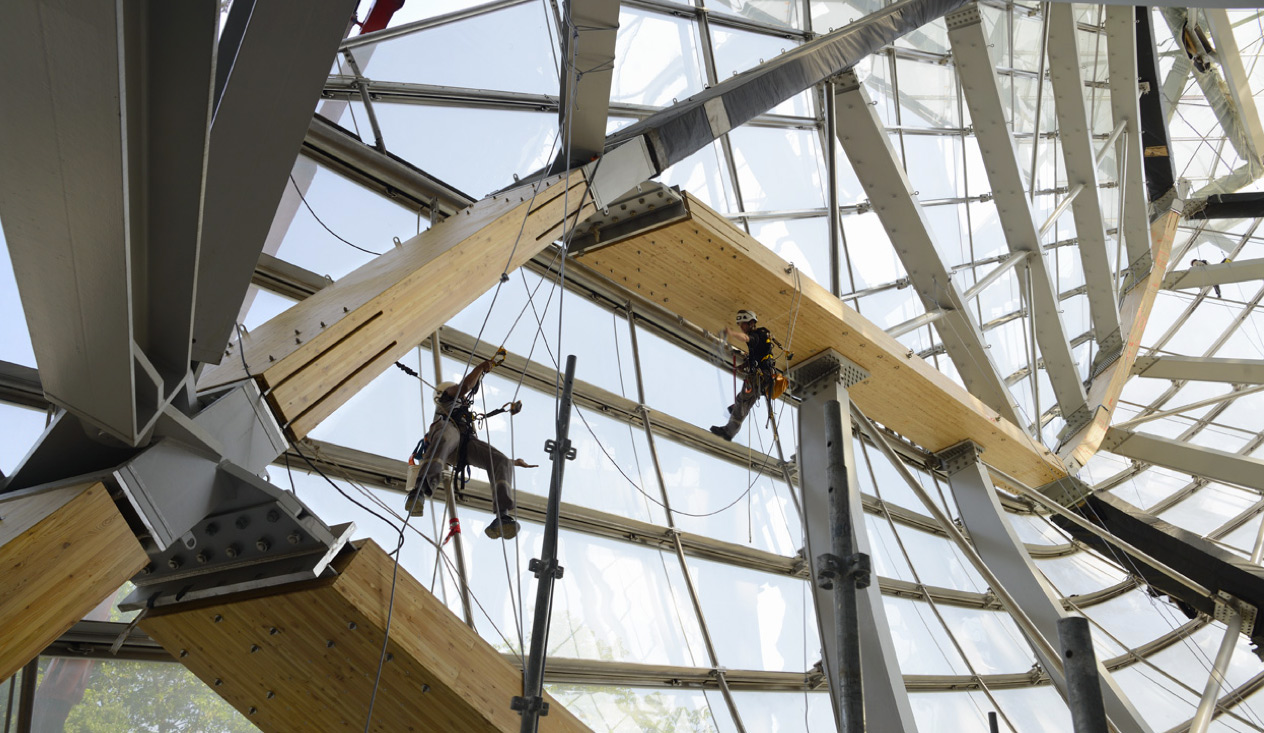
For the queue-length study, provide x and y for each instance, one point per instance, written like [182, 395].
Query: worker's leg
[500, 471]
[439, 453]
[741, 407]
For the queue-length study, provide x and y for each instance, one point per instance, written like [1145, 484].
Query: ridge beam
[1000, 157]
[1074, 130]
[868, 146]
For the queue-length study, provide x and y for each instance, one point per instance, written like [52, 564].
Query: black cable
[326, 226]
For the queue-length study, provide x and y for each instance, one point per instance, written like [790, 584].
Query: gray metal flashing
[978, 80]
[887, 185]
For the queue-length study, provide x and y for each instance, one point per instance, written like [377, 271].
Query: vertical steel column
[819, 380]
[1211, 693]
[720, 675]
[531, 703]
[1084, 690]
[457, 547]
[994, 724]
[1006, 559]
[831, 168]
[26, 696]
[844, 571]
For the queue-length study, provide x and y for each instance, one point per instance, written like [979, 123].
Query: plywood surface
[306, 659]
[705, 269]
[1134, 314]
[313, 357]
[62, 552]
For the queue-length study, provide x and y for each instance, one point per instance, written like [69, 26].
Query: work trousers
[444, 450]
[754, 386]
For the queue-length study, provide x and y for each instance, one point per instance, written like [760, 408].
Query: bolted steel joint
[550, 447]
[529, 704]
[540, 568]
[855, 568]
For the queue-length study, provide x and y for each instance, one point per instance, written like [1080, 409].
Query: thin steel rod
[1258, 553]
[1024, 622]
[831, 170]
[1061, 208]
[546, 568]
[1083, 683]
[1119, 223]
[8, 708]
[457, 547]
[1035, 365]
[1216, 680]
[1040, 94]
[913, 324]
[1192, 406]
[1127, 547]
[1006, 265]
[1114, 135]
[671, 524]
[851, 698]
[363, 85]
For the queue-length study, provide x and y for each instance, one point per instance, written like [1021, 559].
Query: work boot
[502, 527]
[721, 431]
[415, 504]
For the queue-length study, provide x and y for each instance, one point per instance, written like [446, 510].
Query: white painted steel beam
[587, 70]
[1000, 157]
[869, 148]
[824, 378]
[1075, 132]
[1182, 457]
[1223, 273]
[1121, 58]
[997, 543]
[1200, 368]
[1235, 76]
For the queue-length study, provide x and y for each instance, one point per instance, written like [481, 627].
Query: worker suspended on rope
[761, 377]
[452, 440]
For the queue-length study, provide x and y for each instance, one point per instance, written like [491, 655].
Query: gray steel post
[531, 703]
[26, 696]
[1084, 686]
[994, 723]
[1216, 680]
[844, 571]
[457, 547]
[819, 380]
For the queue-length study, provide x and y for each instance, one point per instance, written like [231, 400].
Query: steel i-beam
[865, 140]
[1006, 555]
[823, 378]
[1075, 132]
[1000, 158]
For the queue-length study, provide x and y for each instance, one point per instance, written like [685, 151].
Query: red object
[454, 528]
[380, 15]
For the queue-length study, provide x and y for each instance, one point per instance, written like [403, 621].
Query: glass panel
[1080, 573]
[455, 54]
[705, 175]
[1034, 709]
[922, 645]
[15, 340]
[779, 169]
[91, 695]
[737, 51]
[264, 306]
[757, 620]
[960, 711]
[1035, 529]
[656, 59]
[20, 428]
[803, 243]
[769, 12]
[1150, 487]
[1161, 702]
[990, 639]
[1209, 507]
[784, 711]
[630, 709]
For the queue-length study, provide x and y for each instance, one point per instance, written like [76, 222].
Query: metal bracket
[539, 568]
[1137, 271]
[833, 568]
[1075, 421]
[1109, 351]
[525, 704]
[959, 457]
[826, 368]
[1067, 491]
[550, 447]
[1227, 605]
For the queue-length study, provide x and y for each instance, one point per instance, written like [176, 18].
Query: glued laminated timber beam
[305, 659]
[312, 358]
[704, 269]
[62, 551]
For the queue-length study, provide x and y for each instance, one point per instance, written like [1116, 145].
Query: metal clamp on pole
[531, 703]
[854, 568]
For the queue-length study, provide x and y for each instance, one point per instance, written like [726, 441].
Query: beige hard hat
[441, 389]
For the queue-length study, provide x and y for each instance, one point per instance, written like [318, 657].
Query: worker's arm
[732, 333]
[476, 374]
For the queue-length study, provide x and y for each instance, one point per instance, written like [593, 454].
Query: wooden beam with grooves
[306, 658]
[705, 269]
[315, 356]
[62, 551]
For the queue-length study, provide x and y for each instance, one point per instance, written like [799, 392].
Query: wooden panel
[306, 659]
[705, 269]
[313, 357]
[1134, 313]
[62, 552]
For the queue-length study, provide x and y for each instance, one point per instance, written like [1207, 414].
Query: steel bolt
[390, 656]
[232, 550]
[175, 562]
[204, 556]
[212, 529]
[274, 631]
[217, 618]
[218, 682]
[294, 538]
[184, 653]
[274, 515]
[263, 544]
[147, 569]
[351, 625]
[252, 710]
[425, 688]
[254, 648]
[329, 644]
[271, 694]
[242, 522]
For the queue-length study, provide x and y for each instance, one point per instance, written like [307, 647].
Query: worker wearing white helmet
[453, 441]
[760, 370]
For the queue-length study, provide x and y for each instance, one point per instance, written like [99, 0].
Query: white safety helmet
[441, 389]
[745, 316]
